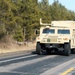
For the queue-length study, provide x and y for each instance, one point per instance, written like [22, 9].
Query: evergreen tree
[19, 15]
[44, 6]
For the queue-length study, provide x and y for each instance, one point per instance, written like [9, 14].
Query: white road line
[18, 58]
[24, 63]
[54, 70]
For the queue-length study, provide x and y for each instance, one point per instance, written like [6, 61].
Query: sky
[69, 4]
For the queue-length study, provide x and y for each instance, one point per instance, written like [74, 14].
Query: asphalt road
[33, 64]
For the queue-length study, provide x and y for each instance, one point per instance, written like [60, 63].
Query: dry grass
[9, 45]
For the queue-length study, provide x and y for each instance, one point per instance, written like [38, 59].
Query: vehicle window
[63, 31]
[47, 30]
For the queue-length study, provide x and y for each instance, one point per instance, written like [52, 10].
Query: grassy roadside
[16, 48]
[8, 45]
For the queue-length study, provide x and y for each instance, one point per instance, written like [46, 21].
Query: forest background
[20, 18]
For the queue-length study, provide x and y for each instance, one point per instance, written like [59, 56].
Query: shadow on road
[52, 53]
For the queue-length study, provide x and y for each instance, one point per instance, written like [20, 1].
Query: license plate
[48, 40]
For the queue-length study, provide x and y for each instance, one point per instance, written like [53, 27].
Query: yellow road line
[68, 71]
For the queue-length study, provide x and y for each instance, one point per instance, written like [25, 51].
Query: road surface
[33, 64]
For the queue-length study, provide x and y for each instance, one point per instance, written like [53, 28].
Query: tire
[73, 51]
[38, 49]
[67, 49]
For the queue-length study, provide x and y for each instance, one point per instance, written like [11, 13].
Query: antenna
[44, 23]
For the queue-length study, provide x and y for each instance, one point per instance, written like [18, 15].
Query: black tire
[38, 49]
[67, 49]
[73, 51]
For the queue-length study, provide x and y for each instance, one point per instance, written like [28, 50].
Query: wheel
[73, 51]
[67, 49]
[38, 49]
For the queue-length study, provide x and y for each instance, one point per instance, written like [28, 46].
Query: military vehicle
[57, 36]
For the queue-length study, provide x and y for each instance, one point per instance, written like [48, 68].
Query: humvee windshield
[47, 30]
[63, 31]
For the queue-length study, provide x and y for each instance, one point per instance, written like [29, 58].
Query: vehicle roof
[63, 23]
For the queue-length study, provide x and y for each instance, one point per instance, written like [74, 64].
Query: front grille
[52, 38]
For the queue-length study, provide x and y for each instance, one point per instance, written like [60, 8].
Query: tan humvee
[57, 36]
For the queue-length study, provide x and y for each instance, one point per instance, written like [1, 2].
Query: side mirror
[37, 32]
